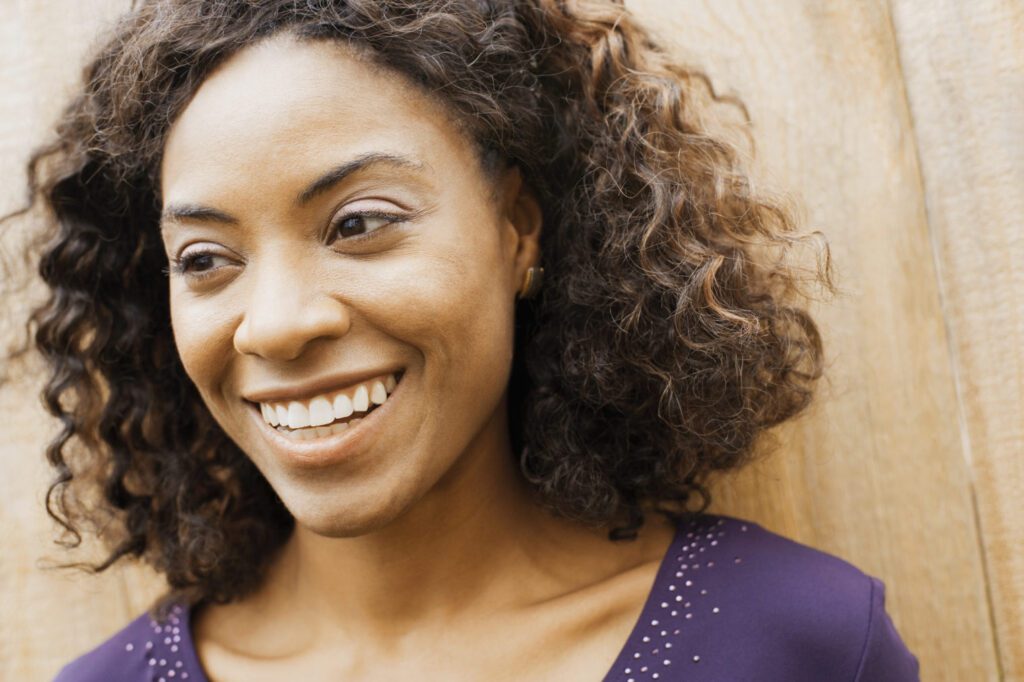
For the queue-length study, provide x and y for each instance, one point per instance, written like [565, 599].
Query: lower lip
[327, 450]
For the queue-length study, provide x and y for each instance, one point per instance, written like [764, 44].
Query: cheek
[203, 338]
[447, 299]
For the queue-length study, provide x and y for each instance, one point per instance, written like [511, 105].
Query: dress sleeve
[885, 657]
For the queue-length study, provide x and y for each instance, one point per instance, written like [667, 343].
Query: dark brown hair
[665, 339]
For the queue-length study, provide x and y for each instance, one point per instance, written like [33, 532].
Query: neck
[475, 542]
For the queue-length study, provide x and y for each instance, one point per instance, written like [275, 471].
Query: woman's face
[331, 231]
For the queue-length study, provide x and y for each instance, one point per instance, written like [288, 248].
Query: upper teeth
[324, 409]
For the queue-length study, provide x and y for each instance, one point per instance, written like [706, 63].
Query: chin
[341, 525]
[335, 514]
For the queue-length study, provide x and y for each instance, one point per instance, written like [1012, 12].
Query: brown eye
[198, 264]
[357, 224]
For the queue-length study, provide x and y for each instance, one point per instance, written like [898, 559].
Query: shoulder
[736, 601]
[816, 615]
[145, 649]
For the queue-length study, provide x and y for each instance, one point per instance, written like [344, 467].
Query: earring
[531, 282]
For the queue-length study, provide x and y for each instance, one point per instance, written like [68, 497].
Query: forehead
[284, 109]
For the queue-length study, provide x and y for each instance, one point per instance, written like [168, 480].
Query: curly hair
[665, 341]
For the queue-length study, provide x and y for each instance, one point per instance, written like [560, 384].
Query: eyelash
[183, 264]
[391, 218]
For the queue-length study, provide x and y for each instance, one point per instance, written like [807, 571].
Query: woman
[400, 337]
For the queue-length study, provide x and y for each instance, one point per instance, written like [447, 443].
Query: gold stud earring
[531, 282]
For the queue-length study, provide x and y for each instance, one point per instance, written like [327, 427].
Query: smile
[329, 413]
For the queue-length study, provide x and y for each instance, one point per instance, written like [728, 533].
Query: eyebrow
[178, 212]
[339, 173]
[195, 212]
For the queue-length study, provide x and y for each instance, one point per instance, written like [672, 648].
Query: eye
[361, 224]
[198, 264]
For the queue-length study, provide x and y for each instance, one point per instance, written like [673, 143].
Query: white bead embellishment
[168, 645]
[701, 538]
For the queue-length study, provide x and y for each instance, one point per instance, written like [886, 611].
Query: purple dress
[731, 601]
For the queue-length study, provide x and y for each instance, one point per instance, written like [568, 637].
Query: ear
[523, 219]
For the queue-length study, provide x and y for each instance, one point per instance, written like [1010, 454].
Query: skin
[420, 555]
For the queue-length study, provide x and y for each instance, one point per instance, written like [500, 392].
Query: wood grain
[895, 127]
[876, 473]
[963, 66]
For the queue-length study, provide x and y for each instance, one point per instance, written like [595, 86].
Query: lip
[312, 389]
[328, 450]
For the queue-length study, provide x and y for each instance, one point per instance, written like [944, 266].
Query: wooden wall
[899, 125]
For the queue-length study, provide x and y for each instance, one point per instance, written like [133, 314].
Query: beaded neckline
[168, 650]
[655, 646]
[662, 640]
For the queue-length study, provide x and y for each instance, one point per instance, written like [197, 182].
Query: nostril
[283, 330]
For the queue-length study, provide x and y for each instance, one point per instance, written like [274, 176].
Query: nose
[285, 314]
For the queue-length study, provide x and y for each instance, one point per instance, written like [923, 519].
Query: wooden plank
[875, 473]
[963, 64]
